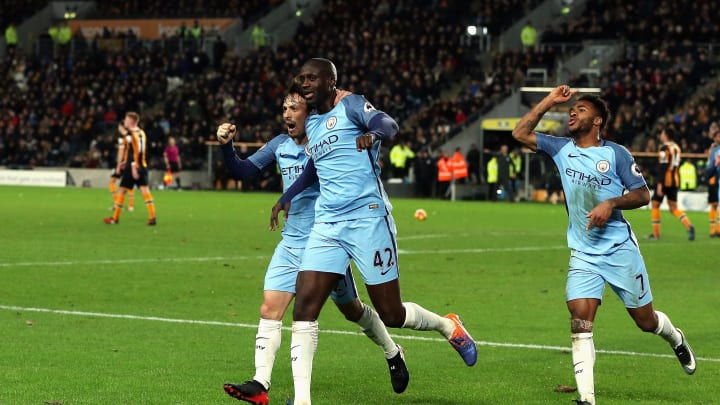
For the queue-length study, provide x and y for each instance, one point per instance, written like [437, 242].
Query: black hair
[327, 63]
[601, 107]
[669, 132]
[294, 88]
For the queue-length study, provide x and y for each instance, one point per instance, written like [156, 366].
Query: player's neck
[587, 140]
[328, 104]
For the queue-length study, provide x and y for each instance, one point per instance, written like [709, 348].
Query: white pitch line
[127, 261]
[481, 250]
[328, 331]
[259, 257]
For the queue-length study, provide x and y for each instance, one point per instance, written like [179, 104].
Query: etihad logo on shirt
[322, 147]
[292, 171]
[586, 180]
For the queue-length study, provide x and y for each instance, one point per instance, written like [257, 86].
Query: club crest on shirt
[331, 122]
[368, 107]
[602, 166]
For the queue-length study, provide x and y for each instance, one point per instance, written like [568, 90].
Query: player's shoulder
[357, 101]
[277, 141]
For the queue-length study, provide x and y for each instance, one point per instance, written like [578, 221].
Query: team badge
[602, 166]
[368, 107]
[330, 123]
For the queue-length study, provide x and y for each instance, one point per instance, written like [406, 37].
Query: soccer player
[712, 173]
[712, 180]
[595, 174]
[288, 151]
[134, 167]
[117, 174]
[352, 221]
[668, 182]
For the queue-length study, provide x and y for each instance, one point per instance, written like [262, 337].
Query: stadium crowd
[62, 109]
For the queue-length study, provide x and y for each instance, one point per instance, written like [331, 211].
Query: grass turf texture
[167, 314]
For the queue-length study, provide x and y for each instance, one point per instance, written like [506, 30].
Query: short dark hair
[601, 107]
[328, 66]
[669, 132]
[294, 88]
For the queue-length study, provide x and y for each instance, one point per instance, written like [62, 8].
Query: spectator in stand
[401, 158]
[473, 162]
[528, 36]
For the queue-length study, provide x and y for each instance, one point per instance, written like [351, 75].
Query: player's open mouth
[571, 121]
[290, 125]
[308, 96]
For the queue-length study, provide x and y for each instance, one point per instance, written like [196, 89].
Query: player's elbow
[642, 196]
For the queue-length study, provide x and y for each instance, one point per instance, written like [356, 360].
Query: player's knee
[647, 325]
[271, 312]
[580, 326]
[352, 311]
[305, 311]
[392, 318]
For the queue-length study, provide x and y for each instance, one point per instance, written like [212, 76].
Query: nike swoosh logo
[573, 156]
[294, 347]
[261, 338]
[579, 362]
[643, 295]
[382, 273]
[284, 155]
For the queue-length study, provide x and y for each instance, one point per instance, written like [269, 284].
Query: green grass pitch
[131, 314]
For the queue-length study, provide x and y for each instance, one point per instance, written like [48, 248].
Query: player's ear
[598, 121]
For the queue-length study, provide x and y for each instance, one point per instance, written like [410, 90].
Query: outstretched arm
[524, 131]
[239, 169]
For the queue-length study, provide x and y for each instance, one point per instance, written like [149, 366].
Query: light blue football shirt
[711, 168]
[291, 159]
[589, 177]
[350, 185]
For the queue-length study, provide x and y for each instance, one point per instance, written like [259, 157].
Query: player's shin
[267, 343]
[666, 330]
[419, 318]
[583, 355]
[374, 328]
[302, 351]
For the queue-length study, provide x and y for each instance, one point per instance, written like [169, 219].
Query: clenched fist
[226, 132]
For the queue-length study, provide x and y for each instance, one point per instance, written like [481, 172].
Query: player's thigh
[584, 279]
[713, 194]
[283, 268]
[142, 178]
[324, 252]
[671, 193]
[372, 245]
[127, 181]
[625, 271]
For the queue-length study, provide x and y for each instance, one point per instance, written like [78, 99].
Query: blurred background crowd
[62, 96]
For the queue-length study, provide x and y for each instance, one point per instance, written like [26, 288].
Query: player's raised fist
[226, 132]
